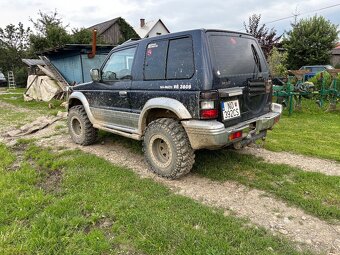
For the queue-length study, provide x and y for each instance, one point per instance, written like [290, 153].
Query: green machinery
[290, 94]
[293, 90]
[332, 93]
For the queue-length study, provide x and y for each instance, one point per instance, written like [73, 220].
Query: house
[114, 31]
[335, 58]
[151, 28]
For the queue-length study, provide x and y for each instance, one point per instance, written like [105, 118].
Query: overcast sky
[177, 15]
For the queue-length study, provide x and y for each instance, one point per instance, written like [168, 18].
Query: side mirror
[95, 74]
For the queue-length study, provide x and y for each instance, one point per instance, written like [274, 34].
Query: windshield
[2, 75]
[236, 55]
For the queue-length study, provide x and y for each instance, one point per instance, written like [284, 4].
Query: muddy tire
[167, 148]
[79, 126]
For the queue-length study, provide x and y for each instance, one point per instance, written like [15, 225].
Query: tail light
[208, 105]
[235, 135]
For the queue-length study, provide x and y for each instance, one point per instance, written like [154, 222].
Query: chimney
[142, 22]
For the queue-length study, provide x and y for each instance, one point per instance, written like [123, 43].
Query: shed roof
[33, 62]
[81, 48]
[102, 27]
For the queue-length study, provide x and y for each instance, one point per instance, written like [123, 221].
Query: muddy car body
[178, 93]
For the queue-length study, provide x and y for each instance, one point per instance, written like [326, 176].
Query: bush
[327, 77]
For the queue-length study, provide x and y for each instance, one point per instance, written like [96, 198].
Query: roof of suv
[201, 30]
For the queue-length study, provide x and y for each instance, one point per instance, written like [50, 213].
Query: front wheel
[80, 127]
[167, 148]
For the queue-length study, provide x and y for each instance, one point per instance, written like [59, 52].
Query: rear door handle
[123, 93]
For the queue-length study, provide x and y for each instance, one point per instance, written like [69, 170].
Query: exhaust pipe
[94, 44]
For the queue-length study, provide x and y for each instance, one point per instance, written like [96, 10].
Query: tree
[13, 47]
[267, 38]
[310, 42]
[49, 32]
[277, 63]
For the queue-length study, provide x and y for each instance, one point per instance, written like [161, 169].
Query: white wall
[158, 28]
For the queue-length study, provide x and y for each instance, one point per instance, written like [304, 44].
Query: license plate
[231, 109]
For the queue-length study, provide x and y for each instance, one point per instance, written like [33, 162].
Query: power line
[298, 14]
[324, 8]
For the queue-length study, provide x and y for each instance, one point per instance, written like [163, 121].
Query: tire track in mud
[258, 206]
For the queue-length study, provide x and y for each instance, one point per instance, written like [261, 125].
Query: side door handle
[123, 93]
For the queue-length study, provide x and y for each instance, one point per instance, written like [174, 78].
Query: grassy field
[75, 203]
[311, 132]
[23, 112]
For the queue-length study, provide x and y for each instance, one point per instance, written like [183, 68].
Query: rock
[304, 218]
[14, 133]
[270, 249]
[283, 231]
[62, 114]
[11, 143]
[286, 220]
[308, 241]
[64, 104]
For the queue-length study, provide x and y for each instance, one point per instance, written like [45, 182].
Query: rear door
[240, 75]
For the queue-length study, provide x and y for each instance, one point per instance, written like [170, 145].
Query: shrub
[327, 77]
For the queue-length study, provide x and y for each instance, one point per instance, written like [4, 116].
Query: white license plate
[231, 109]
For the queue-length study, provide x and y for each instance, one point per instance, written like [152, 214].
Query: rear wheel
[167, 148]
[80, 127]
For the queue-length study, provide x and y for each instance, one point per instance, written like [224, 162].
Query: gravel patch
[306, 163]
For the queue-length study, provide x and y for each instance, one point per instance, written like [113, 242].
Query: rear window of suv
[236, 55]
[169, 59]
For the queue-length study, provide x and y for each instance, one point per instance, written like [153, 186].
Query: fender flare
[81, 97]
[166, 103]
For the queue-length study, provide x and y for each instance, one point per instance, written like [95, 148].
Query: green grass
[94, 207]
[316, 193]
[311, 132]
[19, 115]
[42, 107]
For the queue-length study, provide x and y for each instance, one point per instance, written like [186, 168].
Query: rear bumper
[213, 135]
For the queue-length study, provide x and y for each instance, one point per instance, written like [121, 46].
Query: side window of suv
[119, 65]
[155, 56]
[172, 59]
[180, 63]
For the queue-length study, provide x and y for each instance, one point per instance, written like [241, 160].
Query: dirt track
[259, 207]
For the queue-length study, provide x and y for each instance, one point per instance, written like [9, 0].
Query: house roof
[102, 27]
[337, 46]
[145, 30]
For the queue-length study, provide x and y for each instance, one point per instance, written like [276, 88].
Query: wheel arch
[161, 108]
[78, 98]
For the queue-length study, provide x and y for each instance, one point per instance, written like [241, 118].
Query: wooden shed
[114, 31]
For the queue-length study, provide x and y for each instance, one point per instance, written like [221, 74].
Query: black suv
[178, 93]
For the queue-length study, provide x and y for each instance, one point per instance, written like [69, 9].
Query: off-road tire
[80, 127]
[168, 135]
